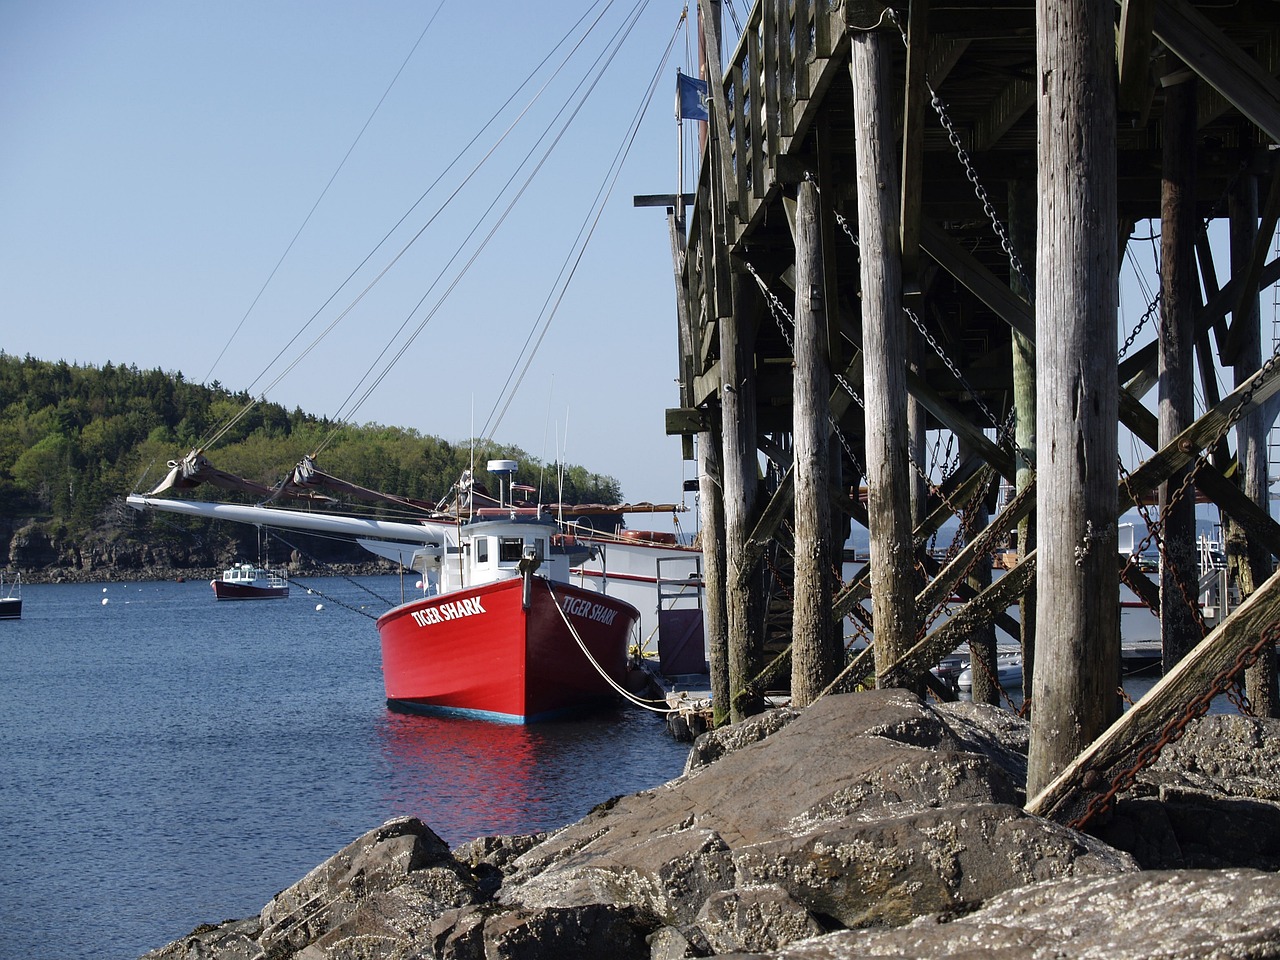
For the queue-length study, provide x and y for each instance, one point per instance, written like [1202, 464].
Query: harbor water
[171, 760]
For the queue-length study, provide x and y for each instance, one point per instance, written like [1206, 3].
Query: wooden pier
[900, 269]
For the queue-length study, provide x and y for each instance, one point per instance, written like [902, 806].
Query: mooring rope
[627, 694]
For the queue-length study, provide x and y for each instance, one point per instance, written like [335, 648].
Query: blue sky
[159, 158]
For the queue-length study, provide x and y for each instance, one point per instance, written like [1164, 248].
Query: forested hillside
[75, 439]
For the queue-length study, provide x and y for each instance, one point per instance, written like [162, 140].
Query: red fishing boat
[519, 647]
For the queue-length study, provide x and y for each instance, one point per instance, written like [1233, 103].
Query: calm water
[170, 760]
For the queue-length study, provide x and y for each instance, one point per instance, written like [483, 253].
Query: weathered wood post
[711, 499]
[1022, 234]
[884, 345]
[814, 643]
[710, 481]
[740, 467]
[1179, 578]
[1252, 562]
[982, 639]
[1077, 591]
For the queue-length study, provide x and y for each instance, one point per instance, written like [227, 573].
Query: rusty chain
[1177, 726]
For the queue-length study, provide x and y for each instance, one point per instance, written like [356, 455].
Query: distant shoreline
[63, 575]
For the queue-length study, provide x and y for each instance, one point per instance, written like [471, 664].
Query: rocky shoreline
[870, 824]
[120, 551]
[169, 574]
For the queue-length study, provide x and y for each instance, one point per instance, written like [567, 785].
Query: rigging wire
[395, 227]
[599, 65]
[342, 163]
[603, 193]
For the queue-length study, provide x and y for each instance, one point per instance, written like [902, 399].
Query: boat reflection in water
[468, 778]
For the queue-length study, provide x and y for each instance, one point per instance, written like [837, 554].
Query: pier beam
[884, 345]
[1077, 393]
[1179, 579]
[814, 641]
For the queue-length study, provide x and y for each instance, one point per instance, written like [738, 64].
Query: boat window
[510, 549]
[482, 549]
[540, 546]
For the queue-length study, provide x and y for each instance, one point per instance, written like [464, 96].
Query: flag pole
[679, 158]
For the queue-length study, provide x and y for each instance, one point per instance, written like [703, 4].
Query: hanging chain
[950, 364]
[1142, 322]
[971, 174]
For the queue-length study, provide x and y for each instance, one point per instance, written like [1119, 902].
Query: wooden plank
[742, 144]
[1184, 448]
[1258, 524]
[1001, 595]
[786, 74]
[759, 149]
[944, 584]
[803, 14]
[1064, 798]
[960, 425]
[1010, 105]
[1010, 626]
[710, 10]
[1227, 68]
[961, 487]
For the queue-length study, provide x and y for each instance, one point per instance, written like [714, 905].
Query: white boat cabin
[498, 544]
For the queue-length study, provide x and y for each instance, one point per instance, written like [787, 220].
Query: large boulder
[372, 898]
[865, 810]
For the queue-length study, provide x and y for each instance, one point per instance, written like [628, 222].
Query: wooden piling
[1077, 407]
[1252, 562]
[884, 345]
[738, 412]
[813, 656]
[1179, 577]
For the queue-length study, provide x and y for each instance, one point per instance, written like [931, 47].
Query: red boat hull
[480, 652]
[222, 590]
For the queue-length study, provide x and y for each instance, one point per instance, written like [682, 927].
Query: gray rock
[232, 940]
[867, 808]
[1175, 915]
[753, 919]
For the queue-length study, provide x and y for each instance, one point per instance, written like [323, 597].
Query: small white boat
[1008, 671]
[11, 598]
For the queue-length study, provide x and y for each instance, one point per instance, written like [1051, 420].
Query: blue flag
[691, 98]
